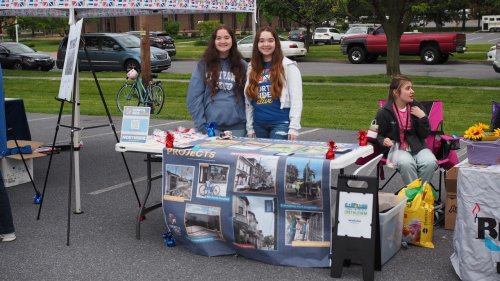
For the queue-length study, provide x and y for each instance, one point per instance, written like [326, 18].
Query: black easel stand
[71, 144]
[357, 249]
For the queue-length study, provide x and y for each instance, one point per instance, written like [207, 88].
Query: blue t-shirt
[266, 108]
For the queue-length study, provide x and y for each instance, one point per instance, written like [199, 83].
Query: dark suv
[113, 51]
[299, 35]
[160, 40]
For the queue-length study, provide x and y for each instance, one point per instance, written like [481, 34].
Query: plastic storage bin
[391, 224]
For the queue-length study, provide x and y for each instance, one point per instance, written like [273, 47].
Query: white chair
[365, 170]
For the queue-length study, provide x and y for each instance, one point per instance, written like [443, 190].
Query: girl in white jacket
[273, 92]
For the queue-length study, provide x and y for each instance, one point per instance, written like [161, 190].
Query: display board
[264, 199]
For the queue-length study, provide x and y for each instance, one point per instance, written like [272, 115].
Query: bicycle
[136, 94]
[209, 188]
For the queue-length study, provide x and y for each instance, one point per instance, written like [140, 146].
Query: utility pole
[145, 50]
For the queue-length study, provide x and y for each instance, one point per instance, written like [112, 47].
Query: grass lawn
[343, 106]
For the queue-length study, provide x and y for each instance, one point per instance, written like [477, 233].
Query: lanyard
[399, 118]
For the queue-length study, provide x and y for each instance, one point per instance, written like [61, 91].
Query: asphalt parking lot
[103, 244]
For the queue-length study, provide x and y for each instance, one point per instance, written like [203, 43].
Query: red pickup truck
[432, 48]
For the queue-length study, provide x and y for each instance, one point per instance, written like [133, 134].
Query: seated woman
[402, 120]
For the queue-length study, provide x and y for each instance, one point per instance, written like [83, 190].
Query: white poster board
[355, 214]
[68, 73]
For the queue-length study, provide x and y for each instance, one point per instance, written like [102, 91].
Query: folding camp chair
[441, 145]
[495, 115]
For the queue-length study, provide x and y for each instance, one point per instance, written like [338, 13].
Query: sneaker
[8, 237]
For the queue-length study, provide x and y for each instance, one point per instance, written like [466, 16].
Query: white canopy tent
[115, 8]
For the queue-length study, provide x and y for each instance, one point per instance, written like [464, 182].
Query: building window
[131, 23]
[221, 18]
[206, 17]
[191, 21]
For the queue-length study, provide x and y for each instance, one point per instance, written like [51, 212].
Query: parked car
[327, 35]
[496, 62]
[18, 56]
[113, 51]
[299, 35]
[290, 49]
[356, 30]
[432, 48]
[160, 40]
[491, 53]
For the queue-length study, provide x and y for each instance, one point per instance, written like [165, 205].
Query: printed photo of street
[305, 229]
[254, 222]
[178, 182]
[212, 181]
[203, 222]
[303, 179]
[256, 174]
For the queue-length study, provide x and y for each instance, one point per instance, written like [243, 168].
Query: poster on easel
[68, 73]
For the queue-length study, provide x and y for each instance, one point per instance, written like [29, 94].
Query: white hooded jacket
[291, 97]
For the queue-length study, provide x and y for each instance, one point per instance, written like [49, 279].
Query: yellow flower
[482, 126]
[474, 133]
[497, 132]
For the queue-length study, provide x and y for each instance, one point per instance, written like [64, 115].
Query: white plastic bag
[392, 156]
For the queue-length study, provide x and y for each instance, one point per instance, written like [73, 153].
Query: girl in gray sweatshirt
[215, 92]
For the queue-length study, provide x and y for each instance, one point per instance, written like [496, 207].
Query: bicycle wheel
[203, 190]
[128, 95]
[157, 98]
[216, 190]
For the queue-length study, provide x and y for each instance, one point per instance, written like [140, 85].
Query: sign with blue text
[135, 124]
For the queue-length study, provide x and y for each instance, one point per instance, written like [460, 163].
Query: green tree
[172, 27]
[308, 13]
[395, 16]
[208, 27]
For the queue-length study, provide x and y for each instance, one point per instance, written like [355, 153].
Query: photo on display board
[203, 222]
[212, 181]
[256, 174]
[303, 182]
[254, 222]
[178, 182]
[305, 229]
[172, 224]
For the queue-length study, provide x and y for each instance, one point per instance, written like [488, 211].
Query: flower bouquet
[479, 132]
[480, 146]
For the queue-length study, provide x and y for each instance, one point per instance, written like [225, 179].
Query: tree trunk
[308, 35]
[145, 51]
[393, 39]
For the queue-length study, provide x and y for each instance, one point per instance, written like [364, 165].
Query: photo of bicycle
[212, 180]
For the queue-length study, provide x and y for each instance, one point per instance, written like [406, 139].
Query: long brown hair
[396, 84]
[257, 63]
[212, 60]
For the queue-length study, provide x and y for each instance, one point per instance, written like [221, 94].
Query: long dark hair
[257, 62]
[212, 60]
[396, 84]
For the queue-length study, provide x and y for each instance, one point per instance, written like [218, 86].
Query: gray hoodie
[226, 108]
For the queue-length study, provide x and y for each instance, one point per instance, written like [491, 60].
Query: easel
[349, 246]
[74, 145]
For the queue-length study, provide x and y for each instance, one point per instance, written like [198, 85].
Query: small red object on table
[363, 140]
[169, 141]
[330, 154]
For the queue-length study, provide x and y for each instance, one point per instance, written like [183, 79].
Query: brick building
[188, 22]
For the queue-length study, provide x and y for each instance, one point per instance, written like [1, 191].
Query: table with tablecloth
[476, 240]
[267, 199]
[264, 199]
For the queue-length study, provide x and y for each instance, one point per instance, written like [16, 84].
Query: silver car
[113, 51]
[290, 49]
